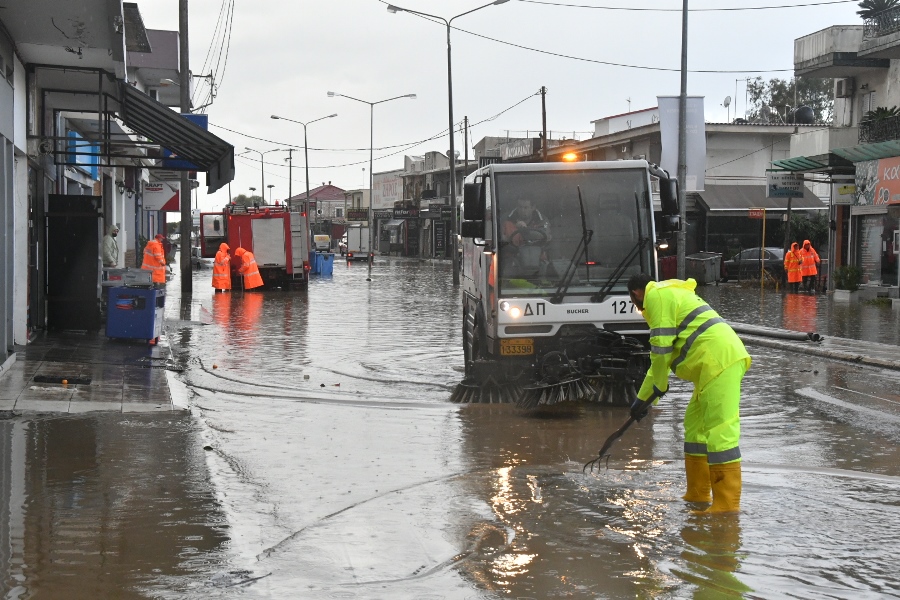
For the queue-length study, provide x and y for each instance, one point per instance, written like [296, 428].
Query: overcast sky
[285, 55]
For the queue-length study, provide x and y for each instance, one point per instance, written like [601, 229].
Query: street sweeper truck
[547, 250]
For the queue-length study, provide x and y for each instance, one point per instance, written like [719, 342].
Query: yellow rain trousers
[690, 339]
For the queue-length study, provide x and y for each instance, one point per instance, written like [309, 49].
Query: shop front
[875, 219]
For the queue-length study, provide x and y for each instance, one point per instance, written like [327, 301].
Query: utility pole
[682, 143]
[466, 148]
[544, 123]
[290, 165]
[184, 194]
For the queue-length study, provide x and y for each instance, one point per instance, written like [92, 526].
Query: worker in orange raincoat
[792, 267]
[248, 269]
[155, 259]
[808, 269]
[221, 276]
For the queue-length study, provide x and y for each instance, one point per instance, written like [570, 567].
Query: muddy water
[336, 468]
[346, 474]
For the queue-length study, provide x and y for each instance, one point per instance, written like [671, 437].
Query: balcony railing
[883, 23]
[882, 130]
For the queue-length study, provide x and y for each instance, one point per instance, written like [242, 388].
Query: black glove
[640, 408]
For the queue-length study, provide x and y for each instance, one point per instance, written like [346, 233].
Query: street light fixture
[305, 153]
[262, 167]
[270, 186]
[371, 175]
[455, 217]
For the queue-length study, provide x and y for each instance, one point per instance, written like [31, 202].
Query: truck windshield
[540, 226]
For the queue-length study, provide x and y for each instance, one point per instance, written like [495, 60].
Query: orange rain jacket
[155, 260]
[810, 259]
[221, 276]
[248, 269]
[792, 264]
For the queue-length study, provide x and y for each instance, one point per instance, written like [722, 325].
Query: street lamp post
[371, 175]
[305, 150]
[454, 217]
[262, 167]
[270, 186]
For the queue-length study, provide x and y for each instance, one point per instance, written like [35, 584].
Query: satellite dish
[726, 102]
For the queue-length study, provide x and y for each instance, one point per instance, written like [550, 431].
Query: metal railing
[879, 131]
[883, 23]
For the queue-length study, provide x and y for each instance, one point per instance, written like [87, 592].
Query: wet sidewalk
[75, 372]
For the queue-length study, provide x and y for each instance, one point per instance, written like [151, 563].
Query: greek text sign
[783, 184]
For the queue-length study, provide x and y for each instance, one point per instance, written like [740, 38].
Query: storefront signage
[435, 208]
[388, 189]
[519, 148]
[843, 193]
[406, 213]
[161, 195]
[382, 214]
[887, 187]
[783, 184]
[439, 238]
[757, 213]
[357, 214]
[446, 212]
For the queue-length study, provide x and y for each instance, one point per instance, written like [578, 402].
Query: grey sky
[286, 54]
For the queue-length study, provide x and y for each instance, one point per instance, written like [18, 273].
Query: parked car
[198, 262]
[746, 263]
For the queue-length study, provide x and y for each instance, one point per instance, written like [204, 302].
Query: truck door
[268, 242]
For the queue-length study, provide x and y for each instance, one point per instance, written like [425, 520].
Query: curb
[812, 350]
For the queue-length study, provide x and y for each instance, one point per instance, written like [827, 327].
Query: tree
[772, 101]
[249, 200]
[870, 8]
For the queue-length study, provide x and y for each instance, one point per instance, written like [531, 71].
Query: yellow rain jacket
[687, 337]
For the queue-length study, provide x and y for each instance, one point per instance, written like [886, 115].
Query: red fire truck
[277, 237]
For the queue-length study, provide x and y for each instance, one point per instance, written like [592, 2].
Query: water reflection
[712, 556]
[106, 507]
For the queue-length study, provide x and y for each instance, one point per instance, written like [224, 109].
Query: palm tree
[870, 8]
[880, 114]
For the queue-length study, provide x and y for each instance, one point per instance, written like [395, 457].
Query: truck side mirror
[471, 229]
[668, 200]
[473, 201]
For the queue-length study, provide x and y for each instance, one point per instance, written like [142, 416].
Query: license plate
[517, 347]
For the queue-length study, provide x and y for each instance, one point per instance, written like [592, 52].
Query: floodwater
[336, 467]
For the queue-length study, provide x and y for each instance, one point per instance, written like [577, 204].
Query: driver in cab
[523, 217]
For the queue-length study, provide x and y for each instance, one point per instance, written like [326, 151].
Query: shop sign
[446, 212]
[783, 184]
[357, 214]
[435, 208]
[383, 214]
[519, 148]
[161, 195]
[439, 238]
[887, 188]
[843, 193]
[406, 213]
[757, 213]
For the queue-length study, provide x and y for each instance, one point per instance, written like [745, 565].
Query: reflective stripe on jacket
[792, 264]
[155, 260]
[221, 277]
[250, 271]
[810, 258]
[686, 336]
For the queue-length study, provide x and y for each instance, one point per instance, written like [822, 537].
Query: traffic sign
[757, 213]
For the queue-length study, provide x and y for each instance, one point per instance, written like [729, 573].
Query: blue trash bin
[135, 313]
[325, 263]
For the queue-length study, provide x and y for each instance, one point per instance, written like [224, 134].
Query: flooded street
[335, 467]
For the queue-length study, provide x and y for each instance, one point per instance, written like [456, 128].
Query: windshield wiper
[582, 249]
[601, 295]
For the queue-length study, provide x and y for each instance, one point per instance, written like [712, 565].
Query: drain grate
[59, 379]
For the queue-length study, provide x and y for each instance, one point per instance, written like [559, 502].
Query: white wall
[20, 209]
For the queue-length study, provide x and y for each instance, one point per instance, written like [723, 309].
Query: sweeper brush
[600, 368]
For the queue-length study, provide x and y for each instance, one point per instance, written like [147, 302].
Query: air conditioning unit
[844, 88]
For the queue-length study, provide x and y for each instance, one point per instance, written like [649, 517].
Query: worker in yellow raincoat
[694, 342]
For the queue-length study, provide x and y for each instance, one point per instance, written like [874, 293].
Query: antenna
[727, 104]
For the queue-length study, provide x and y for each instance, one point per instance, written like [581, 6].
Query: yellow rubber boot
[726, 487]
[698, 485]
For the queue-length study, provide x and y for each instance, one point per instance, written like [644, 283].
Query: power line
[737, 8]
[592, 60]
